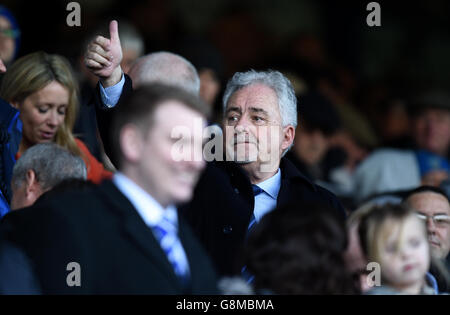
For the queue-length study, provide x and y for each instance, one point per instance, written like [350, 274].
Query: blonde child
[394, 237]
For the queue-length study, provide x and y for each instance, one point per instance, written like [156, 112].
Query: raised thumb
[114, 32]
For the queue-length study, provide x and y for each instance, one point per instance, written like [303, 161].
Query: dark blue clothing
[16, 272]
[223, 202]
[10, 137]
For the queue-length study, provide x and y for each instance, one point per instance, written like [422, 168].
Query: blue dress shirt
[267, 200]
[111, 95]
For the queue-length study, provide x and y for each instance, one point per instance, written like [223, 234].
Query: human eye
[42, 109]
[62, 110]
[232, 118]
[442, 219]
[258, 119]
[391, 248]
[415, 242]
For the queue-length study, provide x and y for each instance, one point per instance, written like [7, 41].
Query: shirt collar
[148, 208]
[272, 185]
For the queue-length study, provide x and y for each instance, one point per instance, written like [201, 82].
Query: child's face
[404, 257]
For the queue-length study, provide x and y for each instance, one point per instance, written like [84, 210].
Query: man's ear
[131, 143]
[33, 189]
[288, 137]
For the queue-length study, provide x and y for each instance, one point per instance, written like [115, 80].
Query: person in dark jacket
[124, 236]
[252, 177]
[255, 178]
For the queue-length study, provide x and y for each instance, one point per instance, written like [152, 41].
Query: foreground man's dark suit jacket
[116, 250]
[223, 200]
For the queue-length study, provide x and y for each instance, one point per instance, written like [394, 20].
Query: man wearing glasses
[432, 206]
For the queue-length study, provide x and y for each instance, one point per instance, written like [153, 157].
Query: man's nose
[242, 124]
[431, 227]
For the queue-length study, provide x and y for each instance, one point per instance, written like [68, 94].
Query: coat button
[227, 229]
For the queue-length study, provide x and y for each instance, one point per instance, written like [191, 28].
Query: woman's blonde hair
[32, 73]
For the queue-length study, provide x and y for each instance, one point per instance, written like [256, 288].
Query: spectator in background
[318, 122]
[256, 104]
[209, 64]
[298, 249]
[86, 123]
[9, 36]
[126, 234]
[395, 238]
[433, 207]
[393, 123]
[425, 164]
[39, 169]
[431, 133]
[43, 89]
[431, 122]
[103, 58]
[251, 101]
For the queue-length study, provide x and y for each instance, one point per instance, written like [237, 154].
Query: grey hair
[287, 101]
[51, 165]
[167, 68]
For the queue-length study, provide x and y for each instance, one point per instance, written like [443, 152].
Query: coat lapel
[138, 232]
[290, 178]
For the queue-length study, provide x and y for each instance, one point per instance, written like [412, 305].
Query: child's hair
[376, 227]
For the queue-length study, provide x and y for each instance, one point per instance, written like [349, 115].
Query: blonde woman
[44, 91]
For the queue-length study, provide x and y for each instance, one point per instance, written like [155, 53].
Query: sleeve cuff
[111, 95]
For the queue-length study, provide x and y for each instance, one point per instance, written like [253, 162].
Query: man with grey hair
[39, 169]
[103, 58]
[260, 117]
[259, 126]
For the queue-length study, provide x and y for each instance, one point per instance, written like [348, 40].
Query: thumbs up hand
[103, 56]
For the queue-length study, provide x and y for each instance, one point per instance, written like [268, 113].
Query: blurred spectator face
[157, 170]
[209, 86]
[404, 253]
[432, 204]
[355, 153]
[431, 130]
[394, 123]
[42, 113]
[311, 145]
[7, 43]
[251, 118]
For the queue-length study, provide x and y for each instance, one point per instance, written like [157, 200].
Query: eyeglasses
[13, 33]
[438, 219]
